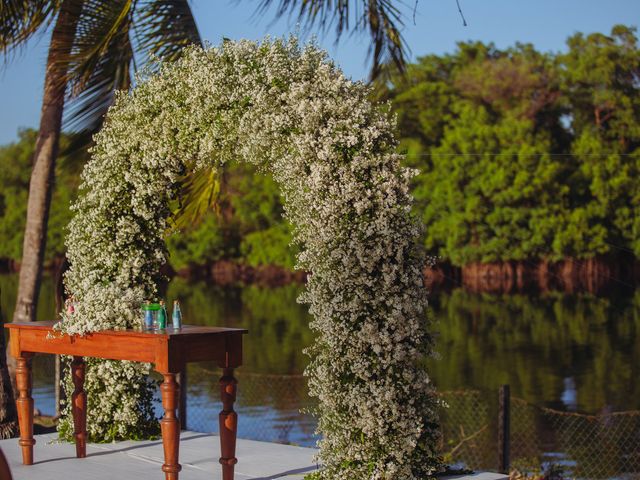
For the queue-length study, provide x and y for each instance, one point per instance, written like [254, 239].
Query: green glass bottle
[162, 316]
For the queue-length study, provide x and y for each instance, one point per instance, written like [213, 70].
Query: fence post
[504, 420]
[182, 404]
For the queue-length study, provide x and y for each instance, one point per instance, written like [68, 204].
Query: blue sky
[437, 28]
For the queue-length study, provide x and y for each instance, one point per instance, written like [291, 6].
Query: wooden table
[168, 350]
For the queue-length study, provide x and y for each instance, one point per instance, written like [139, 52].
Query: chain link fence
[270, 407]
[542, 442]
[468, 430]
[606, 445]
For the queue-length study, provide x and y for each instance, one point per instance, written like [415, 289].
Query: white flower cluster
[290, 111]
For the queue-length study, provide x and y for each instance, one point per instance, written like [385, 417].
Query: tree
[602, 82]
[91, 55]
[15, 169]
[493, 192]
[42, 176]
[524, 156]
[479, 126]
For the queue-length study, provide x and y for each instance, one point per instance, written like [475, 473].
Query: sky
[437, 28]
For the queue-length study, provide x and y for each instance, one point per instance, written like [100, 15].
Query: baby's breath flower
[290, 111]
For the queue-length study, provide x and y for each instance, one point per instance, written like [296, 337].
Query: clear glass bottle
[176, 316]
[150, 315]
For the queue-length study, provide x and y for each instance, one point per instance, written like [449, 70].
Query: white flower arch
[290, 111]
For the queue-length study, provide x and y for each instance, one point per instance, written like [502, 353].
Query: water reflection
[569, 352]
[558, 350]
[534, 343]
[278, 325]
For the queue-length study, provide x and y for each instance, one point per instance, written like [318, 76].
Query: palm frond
[382, 19]
[110, 37]
[101, 63]
[164, 27]
[20, 19]
[313, 13]
[200, 193]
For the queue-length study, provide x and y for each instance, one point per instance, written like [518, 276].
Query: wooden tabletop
[167, 332]
[168, 349]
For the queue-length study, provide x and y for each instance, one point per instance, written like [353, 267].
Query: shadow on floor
[119, 450]
[289, 472]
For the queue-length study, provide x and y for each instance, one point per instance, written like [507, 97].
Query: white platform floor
[142, 460]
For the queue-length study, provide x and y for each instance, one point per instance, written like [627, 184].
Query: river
[573, 353]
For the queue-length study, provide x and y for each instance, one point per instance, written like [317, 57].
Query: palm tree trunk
[43, 173]
[8, 413]
[40, 187]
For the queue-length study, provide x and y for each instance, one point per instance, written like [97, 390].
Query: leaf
[19, 20]
[164, 27]
[381, 18]
[200, 193]
[110, 37]
[100, 63]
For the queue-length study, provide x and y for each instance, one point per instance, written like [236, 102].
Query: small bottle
[162, 316]
[148, 315]
[176, 316]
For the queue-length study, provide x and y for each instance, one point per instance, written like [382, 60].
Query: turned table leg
[228, 423]
[170, 426]
[24, 404]
[79, 406]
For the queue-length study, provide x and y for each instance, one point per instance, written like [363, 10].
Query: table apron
[169, 355]
[90, 345]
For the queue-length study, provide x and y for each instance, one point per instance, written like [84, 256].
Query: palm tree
[95, 48]
[93, 52]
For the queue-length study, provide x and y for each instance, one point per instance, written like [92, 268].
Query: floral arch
[290, 111]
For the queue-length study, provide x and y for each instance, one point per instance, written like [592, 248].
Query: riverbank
[594, 275]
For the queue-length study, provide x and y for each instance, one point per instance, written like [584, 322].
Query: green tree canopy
[521, 155]
[524, 155]
[15, 170]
